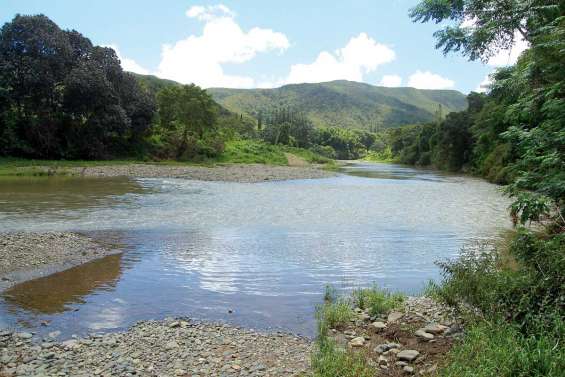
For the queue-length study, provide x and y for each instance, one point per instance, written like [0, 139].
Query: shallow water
[264, 251]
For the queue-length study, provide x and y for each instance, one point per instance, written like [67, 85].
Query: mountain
[345, 104]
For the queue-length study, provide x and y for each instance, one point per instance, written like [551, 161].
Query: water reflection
[391, 171]
[264, 251]
[35, 195]
[54, 293]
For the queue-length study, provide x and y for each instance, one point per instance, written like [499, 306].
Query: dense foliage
[288, 127]
[344, 104]
[63, 97]
[515, 134]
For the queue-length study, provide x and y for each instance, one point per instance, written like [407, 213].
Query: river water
[256, 255]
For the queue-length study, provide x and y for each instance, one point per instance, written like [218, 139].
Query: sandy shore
[245, 173]
[26, 256]
[175, 347]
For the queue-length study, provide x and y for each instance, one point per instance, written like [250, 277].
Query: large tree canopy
[481, 28]
[62, 97]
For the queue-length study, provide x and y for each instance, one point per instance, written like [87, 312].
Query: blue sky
[266, 43]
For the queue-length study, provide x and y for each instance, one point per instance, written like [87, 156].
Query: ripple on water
[264, 251]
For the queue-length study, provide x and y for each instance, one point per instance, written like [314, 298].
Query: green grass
[334, 314]
[328, 360]
[499, 349]
[378, 301]
[252, 152]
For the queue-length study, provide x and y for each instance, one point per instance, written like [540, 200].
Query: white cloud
[392, 81]
[510, 56]
[429, 80]
[210, 12]
[199, 59]
[128, 64]
[360, 56]
[484, 85]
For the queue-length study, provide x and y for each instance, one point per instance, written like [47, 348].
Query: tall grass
[377, 300]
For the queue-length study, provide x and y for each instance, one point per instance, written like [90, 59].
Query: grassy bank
[329, 358]
[236, 152]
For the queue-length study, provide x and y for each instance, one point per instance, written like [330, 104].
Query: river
[256, 255]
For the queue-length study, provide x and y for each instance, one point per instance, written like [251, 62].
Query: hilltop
[345, 104]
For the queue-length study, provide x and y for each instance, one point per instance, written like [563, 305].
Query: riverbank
[27, 256]
[244, 173]
[176, 347]
[297, 168]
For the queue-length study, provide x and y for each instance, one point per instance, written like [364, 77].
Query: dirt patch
[294, 160]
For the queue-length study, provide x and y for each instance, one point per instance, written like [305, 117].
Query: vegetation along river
[252, 254]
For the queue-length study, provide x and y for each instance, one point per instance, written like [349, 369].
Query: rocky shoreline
[26, 256]
[244, 173]
[412, 340]
[174, 347]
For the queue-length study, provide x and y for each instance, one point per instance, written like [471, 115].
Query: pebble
[160, 348]
[407, 355]
[357, 342]
[423, 334]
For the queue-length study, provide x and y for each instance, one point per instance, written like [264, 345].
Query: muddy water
[256, 255]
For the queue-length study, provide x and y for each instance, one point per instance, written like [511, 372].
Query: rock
[401, 363]
[382, 348]
[424, 335]
[54, 334]
[434, 328]
[407, 355]
[174, 325]
[394, 316]
[379, 326]
[408, 369]
[364, 316]
[24, 335]
[171, 345]
[382, 360]
[357, 342]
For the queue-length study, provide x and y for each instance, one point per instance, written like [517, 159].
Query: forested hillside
[346, 104]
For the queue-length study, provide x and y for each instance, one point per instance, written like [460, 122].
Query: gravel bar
[25, 256]
[174, 347]
[245, 173]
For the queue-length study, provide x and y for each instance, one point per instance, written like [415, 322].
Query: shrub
[377, 300]
[500, 349]
[334, 314]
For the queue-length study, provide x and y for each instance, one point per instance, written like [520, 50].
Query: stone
[382, 348]
[382, 360]
[24, 335]
[357, 342]
[54, 334]
[424, 335]
[407, 355]
[171, 345]
[174, 325]
[434, 328]
[408, 369]
[379, 326]
[394, 316]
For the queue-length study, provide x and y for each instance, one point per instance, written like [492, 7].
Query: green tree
[187, 115]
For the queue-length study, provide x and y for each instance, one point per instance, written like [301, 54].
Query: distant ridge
[346, 104]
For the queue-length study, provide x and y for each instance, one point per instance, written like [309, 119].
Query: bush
[334, 314]
[499, 349]
[378, 301]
